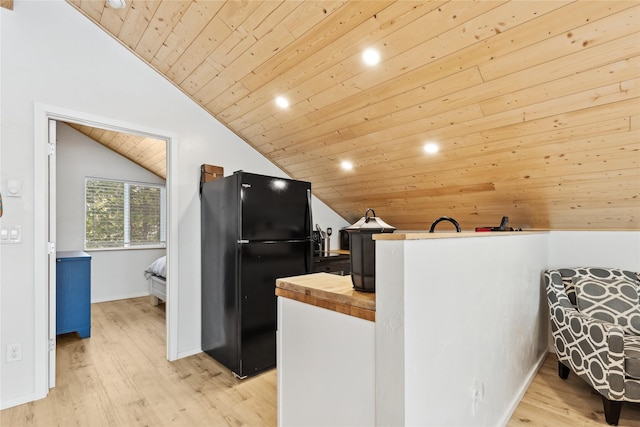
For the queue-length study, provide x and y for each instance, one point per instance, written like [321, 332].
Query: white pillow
[158, 267]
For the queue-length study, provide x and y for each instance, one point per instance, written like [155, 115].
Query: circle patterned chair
[595, 322]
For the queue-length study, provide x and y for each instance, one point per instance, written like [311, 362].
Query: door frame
[43, 317]
[52, 171]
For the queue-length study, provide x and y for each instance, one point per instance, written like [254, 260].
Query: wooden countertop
[420, 235]
[328, 291]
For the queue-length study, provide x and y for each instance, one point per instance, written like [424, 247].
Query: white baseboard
[21, 400]
[523, 389]
[190, 352]
[119, 297]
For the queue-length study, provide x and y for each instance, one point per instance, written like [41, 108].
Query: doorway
[45, 185]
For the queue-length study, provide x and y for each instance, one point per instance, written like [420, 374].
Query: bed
[156, 274]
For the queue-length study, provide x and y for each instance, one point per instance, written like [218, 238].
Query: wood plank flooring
[553, 402]
[120, 377]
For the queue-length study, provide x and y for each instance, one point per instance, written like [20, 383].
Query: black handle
[310, 218]
[366, 214]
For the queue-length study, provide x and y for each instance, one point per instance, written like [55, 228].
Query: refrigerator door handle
[308, 260]
[310, 224]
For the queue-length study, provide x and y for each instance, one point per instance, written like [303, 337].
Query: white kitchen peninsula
[461, 325]
[460, 330]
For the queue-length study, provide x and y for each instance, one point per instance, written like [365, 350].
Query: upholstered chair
[595, 321]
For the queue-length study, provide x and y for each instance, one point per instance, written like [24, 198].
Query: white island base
[326, 363]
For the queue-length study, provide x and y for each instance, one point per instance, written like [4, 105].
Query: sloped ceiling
[534, 104]
[147, 152]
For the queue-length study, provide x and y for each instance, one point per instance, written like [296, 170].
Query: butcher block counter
[329, 291]
[325, 352]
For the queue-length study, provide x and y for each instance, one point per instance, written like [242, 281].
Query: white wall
[53, 55]
[115, 274]
[472, 319]
[616, 249]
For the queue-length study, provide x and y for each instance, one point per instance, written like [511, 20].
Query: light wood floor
[120, 377]
[554, 402]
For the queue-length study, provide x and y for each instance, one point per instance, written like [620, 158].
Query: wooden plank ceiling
[534, 104]
[147, 152]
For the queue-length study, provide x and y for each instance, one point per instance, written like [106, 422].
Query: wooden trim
[7, 4]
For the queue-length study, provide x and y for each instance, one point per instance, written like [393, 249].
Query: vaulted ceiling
[150, 153]
[534, 104]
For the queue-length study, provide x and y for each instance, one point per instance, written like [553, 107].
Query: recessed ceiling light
[282, 102]
[117, 4]
[371, 56]
[431, 148]
[346, 165]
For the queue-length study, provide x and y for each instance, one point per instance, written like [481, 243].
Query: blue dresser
[73, 293]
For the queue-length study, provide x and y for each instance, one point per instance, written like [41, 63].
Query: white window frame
[126, 220]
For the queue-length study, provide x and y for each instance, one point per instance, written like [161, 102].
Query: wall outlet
[477, 397]
[14, 352]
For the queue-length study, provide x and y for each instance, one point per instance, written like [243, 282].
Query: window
[121, 214]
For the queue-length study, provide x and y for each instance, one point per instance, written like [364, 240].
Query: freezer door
[274, 208]
[261, 264]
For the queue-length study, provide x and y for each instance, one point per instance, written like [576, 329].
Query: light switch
[10, 235]
[15, 234]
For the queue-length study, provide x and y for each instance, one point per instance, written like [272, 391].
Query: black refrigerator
[255, 229]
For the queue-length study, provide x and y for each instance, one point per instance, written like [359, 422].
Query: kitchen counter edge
[328, 291]
[422, 235]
